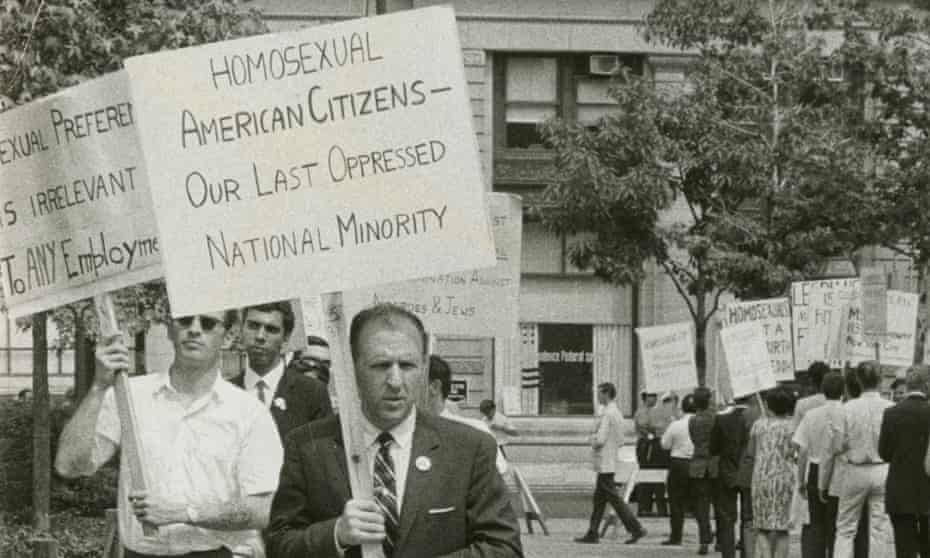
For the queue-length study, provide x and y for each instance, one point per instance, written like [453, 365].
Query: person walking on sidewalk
[605, 442]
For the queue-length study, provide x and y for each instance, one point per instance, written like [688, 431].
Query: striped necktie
[386, 492]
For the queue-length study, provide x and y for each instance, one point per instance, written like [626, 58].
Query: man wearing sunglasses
[293, 398]
[210, 451]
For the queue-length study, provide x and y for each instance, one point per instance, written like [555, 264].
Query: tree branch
[680, 290]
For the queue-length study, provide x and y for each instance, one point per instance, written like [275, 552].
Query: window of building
[533, 88]
[566, 369]
[546, 252]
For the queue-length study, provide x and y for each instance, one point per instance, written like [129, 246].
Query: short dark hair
[780, 400]
[816, 371]
[382, 311]
[439, 370]
[314, 341]
[701, 398]
[918, 378]
[869, 374]
[608, 389]
[833, 385]
[282, 306]
[853, 388]
[487, 406]
[687, 404]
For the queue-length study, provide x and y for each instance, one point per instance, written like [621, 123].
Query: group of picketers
[848, 465]
[256, 466]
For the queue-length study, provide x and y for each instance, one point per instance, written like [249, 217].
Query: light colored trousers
[863, 485]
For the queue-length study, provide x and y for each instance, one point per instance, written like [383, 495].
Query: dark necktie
[386, 492]
[261, 387]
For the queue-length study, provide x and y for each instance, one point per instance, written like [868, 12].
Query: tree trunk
[138, 353]
[83, 376]
[700, 336]
[41, 426]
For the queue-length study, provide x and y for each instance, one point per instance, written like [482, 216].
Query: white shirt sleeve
[107, 437]
[261, 456]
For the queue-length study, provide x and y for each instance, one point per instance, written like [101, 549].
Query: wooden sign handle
[350, 408]
[129, 435]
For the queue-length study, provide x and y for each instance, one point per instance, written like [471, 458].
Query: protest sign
[748, 361]
[76, 216]
[896, 347]
[774, 314]
[483, 303]
[816, 308]
[668, 357]
[319, 160]
[874, 313]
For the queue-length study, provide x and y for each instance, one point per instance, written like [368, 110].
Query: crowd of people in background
[847, 465]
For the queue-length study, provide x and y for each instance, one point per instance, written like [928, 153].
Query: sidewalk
[560, 544]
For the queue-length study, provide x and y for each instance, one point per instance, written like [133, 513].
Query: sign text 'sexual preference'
[75, 213]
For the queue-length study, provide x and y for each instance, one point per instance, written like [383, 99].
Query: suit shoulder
[328, 427]
[304, 382]
[460, 432]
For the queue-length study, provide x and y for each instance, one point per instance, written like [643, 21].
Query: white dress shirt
[399, 450]
[677, 438]
[222, 447]
[272, 378]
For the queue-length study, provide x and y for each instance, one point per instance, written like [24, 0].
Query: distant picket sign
[321, 160]
[817, 308]
[668, 357]
[481, 303]
[76, 217]
[774, 314]
[897, 345]
[748, 361]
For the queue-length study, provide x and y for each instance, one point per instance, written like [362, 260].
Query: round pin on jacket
[423, 463]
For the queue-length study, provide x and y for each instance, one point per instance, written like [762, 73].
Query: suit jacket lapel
[418, 489]
[338, 475]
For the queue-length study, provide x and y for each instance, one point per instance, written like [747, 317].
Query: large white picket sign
[897, 345]
[319, 160]
[816, 311]
[668, 357]
[75, 211]
[774, 314]
[483, 303]
[748, 361]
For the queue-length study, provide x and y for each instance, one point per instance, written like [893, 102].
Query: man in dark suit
[905, 431]
[294, 399]
[437, 491]
[703, 468]
[728, 440]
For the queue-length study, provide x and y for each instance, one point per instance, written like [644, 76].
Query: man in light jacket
[605, 442]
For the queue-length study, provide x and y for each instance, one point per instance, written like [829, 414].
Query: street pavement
[560, 544]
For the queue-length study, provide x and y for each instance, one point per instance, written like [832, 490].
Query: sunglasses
[207, 323]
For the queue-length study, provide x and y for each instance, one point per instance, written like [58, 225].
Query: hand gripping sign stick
[129, 436]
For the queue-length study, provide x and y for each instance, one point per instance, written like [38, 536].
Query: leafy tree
[766, 156]
[48, 45]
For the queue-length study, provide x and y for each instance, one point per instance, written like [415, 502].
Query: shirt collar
[919, 394]
[402, 433]
[163, 385]
[272, 378]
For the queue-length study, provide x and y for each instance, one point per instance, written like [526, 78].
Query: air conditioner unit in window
[604, 64]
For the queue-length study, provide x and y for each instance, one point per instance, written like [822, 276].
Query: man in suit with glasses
[210, 451]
